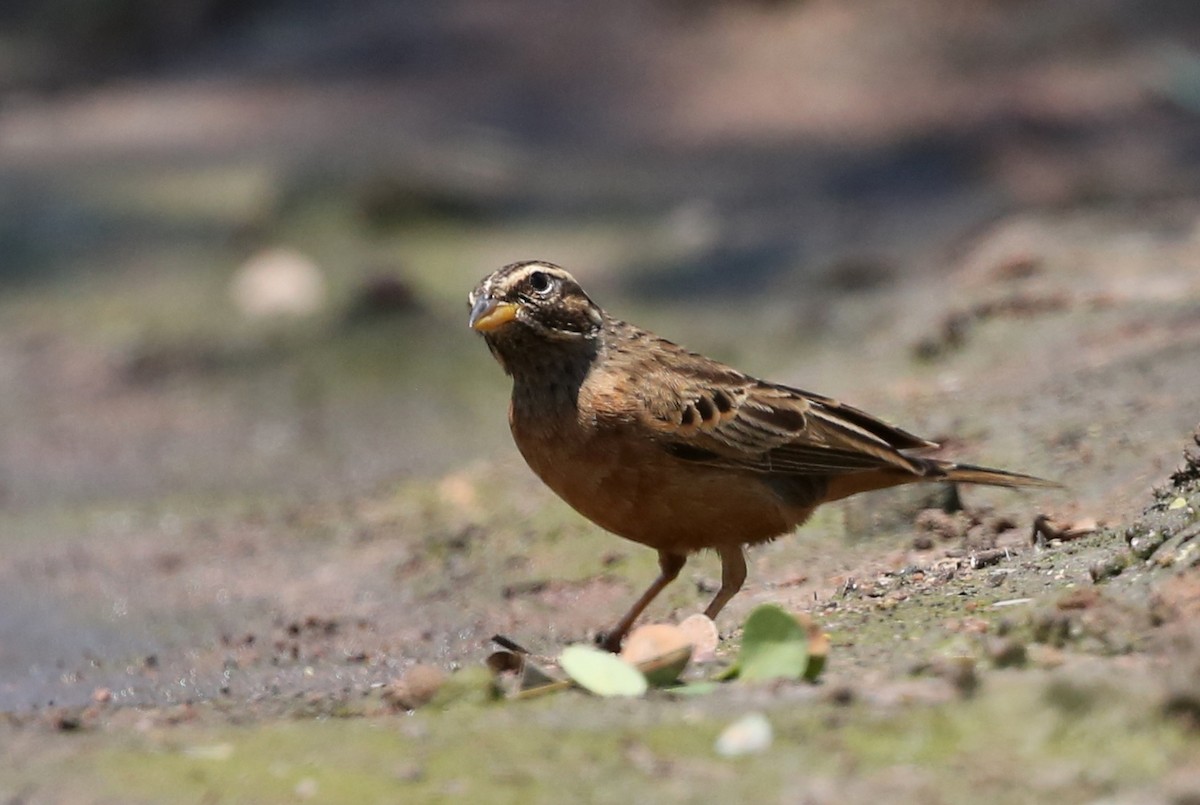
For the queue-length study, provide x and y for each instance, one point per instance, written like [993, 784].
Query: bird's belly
[637, 491]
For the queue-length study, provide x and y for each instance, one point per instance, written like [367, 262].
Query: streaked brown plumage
[672, 449]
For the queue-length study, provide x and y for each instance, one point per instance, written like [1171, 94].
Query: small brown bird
[672, 449]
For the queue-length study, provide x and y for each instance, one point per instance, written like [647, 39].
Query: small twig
[503, 642]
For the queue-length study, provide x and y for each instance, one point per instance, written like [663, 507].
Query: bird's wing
[704, 411]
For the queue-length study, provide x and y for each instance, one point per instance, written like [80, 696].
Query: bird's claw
[609, 641]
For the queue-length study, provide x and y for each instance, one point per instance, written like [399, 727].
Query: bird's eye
[540, 282]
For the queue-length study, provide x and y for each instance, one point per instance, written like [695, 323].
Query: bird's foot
[609, 641]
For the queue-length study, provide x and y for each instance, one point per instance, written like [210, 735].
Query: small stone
[987, 558]
[1108, 568]
[748, 735]
[417, 687]
[278, 282]
[1144, 545]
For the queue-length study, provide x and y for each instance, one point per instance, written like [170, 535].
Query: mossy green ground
[1021, 739]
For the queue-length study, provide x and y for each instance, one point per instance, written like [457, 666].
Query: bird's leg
[670, 564]
[733, 574]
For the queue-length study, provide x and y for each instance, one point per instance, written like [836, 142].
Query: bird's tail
[971, 474]
[930, 469]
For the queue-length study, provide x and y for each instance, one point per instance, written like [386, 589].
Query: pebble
[278, 282]
[749, 735]
[417, 687]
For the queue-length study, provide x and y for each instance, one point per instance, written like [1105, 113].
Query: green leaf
[731, 672]
[774, 646]
[692, 689]
[602, 673]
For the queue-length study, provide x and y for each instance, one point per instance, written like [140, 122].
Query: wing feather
[710, 413]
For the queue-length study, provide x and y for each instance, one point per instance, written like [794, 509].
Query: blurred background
[236, 238]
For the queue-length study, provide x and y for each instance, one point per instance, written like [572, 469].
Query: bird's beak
[487, 314]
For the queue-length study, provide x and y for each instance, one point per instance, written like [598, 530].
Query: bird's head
[531, 301]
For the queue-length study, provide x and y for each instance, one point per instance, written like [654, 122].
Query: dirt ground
[225, 538]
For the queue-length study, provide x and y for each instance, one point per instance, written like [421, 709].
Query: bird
[674, 450]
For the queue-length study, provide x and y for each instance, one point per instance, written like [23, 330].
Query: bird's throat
[546, 383]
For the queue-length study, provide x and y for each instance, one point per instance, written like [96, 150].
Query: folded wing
[716, 415]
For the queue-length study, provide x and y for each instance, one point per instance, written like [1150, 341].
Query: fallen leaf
[517, 677]
[602, 673]
[774, 646]
[701, 688]
[659, 650]
[701, 632]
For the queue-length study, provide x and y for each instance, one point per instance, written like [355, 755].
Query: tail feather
[841, 486]
[972, 474]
